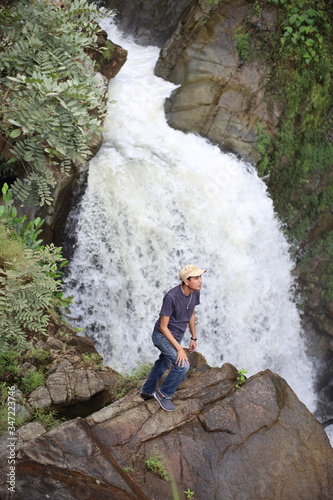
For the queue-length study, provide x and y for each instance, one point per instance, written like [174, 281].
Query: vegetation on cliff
[51, 103]
[30, 277]
[52, 100]
[297, 162]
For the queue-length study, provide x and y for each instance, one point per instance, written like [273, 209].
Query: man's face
[194, 282]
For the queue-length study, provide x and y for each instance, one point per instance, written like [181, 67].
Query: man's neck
[186, 290]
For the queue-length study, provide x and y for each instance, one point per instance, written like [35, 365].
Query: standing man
[178, 311]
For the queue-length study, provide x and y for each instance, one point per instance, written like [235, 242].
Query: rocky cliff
[256, 442]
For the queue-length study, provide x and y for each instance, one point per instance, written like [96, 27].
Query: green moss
[106, 54]
[242, 40]
[296, 163]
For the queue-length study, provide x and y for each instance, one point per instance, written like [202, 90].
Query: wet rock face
[220, 96]
[151, 23]
[258, 442]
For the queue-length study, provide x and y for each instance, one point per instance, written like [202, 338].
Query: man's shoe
[165, 403]
[146, 396]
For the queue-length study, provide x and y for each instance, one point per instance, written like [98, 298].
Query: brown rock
[220, 97]
[66, 384]
[110, 59]
[40, 397]
[56, 344]
[30, 431]
[258, 442]
[82, 345]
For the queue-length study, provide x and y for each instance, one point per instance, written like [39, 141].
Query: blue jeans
[167, 358]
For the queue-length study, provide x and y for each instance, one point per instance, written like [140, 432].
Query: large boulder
[256, 442]
[220, 96]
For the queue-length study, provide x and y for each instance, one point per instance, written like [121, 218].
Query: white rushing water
[158, 199]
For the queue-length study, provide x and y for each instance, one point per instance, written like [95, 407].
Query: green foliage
[94, 360]
[242, 43]
[263, 144]
[212, 2]
[128, 468]
[27, 232]
[298, 160]
[27, 290]
[31, 380]
[306, 29]
[154, 463]
[189, 493]
[308, 263]
[30, 282]
[128, 382]
[240, 379]
[46, 418]
[38, 357]
[48, 90]
[3, 407]
[9, 365]
[26, 380]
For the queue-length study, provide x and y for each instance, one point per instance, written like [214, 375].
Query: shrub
[29, 280]
[31, 380]
[48, 90]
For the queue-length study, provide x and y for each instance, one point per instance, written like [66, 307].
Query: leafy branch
[30, 284]
[51, 99]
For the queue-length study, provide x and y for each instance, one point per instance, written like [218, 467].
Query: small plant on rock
[128, 468]
[47, 419]
[155, 464]
[189, 493]
[240, 379]
[94, 360]
[31, 380]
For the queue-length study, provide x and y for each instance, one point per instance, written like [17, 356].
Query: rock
[53, 343]
[111, 59]
[151, 23]
[40, 397]
[220, 97]
[31, 430]
[82, 345]
[66, 384]
[72, 447]
[258, 442]
[22, 413]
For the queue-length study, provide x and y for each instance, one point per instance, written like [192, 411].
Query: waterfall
[157, 199]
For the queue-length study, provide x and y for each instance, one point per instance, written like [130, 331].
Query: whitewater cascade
[157, 199]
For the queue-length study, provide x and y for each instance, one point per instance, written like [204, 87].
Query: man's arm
[182, 358]
[191, 323]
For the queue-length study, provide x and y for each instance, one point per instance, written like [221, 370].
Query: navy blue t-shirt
[179, 308]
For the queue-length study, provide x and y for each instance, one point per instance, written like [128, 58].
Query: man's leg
[175, 376]
[173, 380]
[161, 365]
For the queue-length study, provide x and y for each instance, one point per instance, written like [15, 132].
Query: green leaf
[15, 133]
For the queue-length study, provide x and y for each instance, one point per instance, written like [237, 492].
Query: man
[178, 311]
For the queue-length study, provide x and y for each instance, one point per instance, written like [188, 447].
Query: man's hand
[182, 359]
[193, 346]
